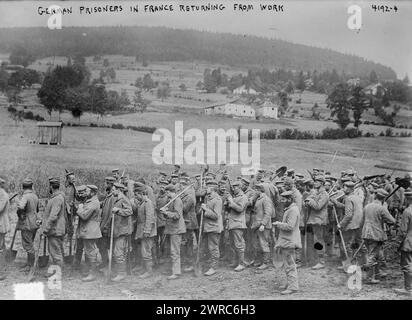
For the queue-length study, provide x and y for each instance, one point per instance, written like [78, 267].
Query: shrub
[28, 115]
[389, 132]
[93, 125]
[117, 126]
[38, 118]
[382, 134]
[11, 109]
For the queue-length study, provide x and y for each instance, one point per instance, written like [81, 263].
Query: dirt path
[328, 283]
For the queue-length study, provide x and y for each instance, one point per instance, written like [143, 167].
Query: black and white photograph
[191, 150]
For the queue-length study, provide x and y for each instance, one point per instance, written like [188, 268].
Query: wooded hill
[165, 44]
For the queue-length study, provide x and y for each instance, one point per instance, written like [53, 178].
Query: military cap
[315, 169]
[211, 174]
[287, 194]
[164, 182]
[110, 179]
[290, 170]
[345, 179]
[197, 175]
[54, 181]
[212, 183]
[238, 178]
[299, 175]
[119, 186]
[349, 184]
[308, 181]
[222, 182]
[92, 187]
[115, 170]
[28, 182]
[383, 192]
[177, 166]
[69, 173]
[408, 194]
[81, 188]
[279, 182]
[246, 181]
[261, 170]
[328, 173]
[174, 175]
[141, 180]
[319, 178]
[170, 187]
[184, 174]
[288, 181]
[236, 183]
[138, 184]
[163, 173]
[350, 172]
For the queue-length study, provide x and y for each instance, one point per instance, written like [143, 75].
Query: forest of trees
[165, 44]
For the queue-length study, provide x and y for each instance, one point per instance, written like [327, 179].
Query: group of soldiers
[248, 221]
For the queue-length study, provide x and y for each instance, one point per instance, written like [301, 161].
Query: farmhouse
[49, 132]
[268, 110]
[231, 109]
[244, 90]
[373, 89]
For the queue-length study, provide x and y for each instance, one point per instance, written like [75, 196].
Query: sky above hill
[383, 36]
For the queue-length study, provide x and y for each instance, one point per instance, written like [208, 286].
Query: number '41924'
[383, 8]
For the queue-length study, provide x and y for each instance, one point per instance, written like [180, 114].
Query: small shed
[49, 132]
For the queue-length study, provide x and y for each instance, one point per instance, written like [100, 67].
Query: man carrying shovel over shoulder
[29, 221]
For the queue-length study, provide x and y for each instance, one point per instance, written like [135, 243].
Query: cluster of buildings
[265, 110]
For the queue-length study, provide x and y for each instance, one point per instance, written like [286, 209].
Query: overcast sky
[383, 37]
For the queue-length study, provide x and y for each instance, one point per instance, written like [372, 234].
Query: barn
[49, 132]
[268, 110]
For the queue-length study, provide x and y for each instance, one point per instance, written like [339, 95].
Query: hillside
[165, 44]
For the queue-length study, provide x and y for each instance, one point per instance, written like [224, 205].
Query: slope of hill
[165, 44]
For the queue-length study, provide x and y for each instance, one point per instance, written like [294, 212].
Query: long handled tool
[177, 196]
[44, 259]
[36, 261]
[198, 268]
[129, 260]
[305, 242]
[347, 262]
[109, 272]
[10, 253]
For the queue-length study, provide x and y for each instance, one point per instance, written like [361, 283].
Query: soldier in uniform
[161, 239]
[106, 205]
[88, 230]
[122, 210]
[212, 225]
[54, 221]
[70, 197]
[189, 240]
[289, 241]
[81, 197]
[261, 226]
[351, 223]
[374, 234]
[29, 220]
[316, 204]
[175, 228]
[237, 224]
[146, 230]
[4, 226]
[405, 239]
[251, 196]
[226, 251]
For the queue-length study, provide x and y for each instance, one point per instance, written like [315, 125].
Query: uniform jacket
[353, 218]
[273, 194]
[262, 213]
[106, 205]
[175, 223]
[146, 219]
[251, 197]
[318, 207]
[375, 216]
[236, 214]
[89, 219]
[122, 218]
[212, 218]
[289, 234]
[70, 196]
[4, 212]
[405, 230]
[55, 217]
[150, 193]
[161, 200]
[28, 211]
[304, 212]
[189, 213]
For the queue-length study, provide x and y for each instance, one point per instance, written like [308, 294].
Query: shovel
[69, 259]
[10, 253]
[33, 269]
[347, 262]
[44, 259]
[198, 267]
